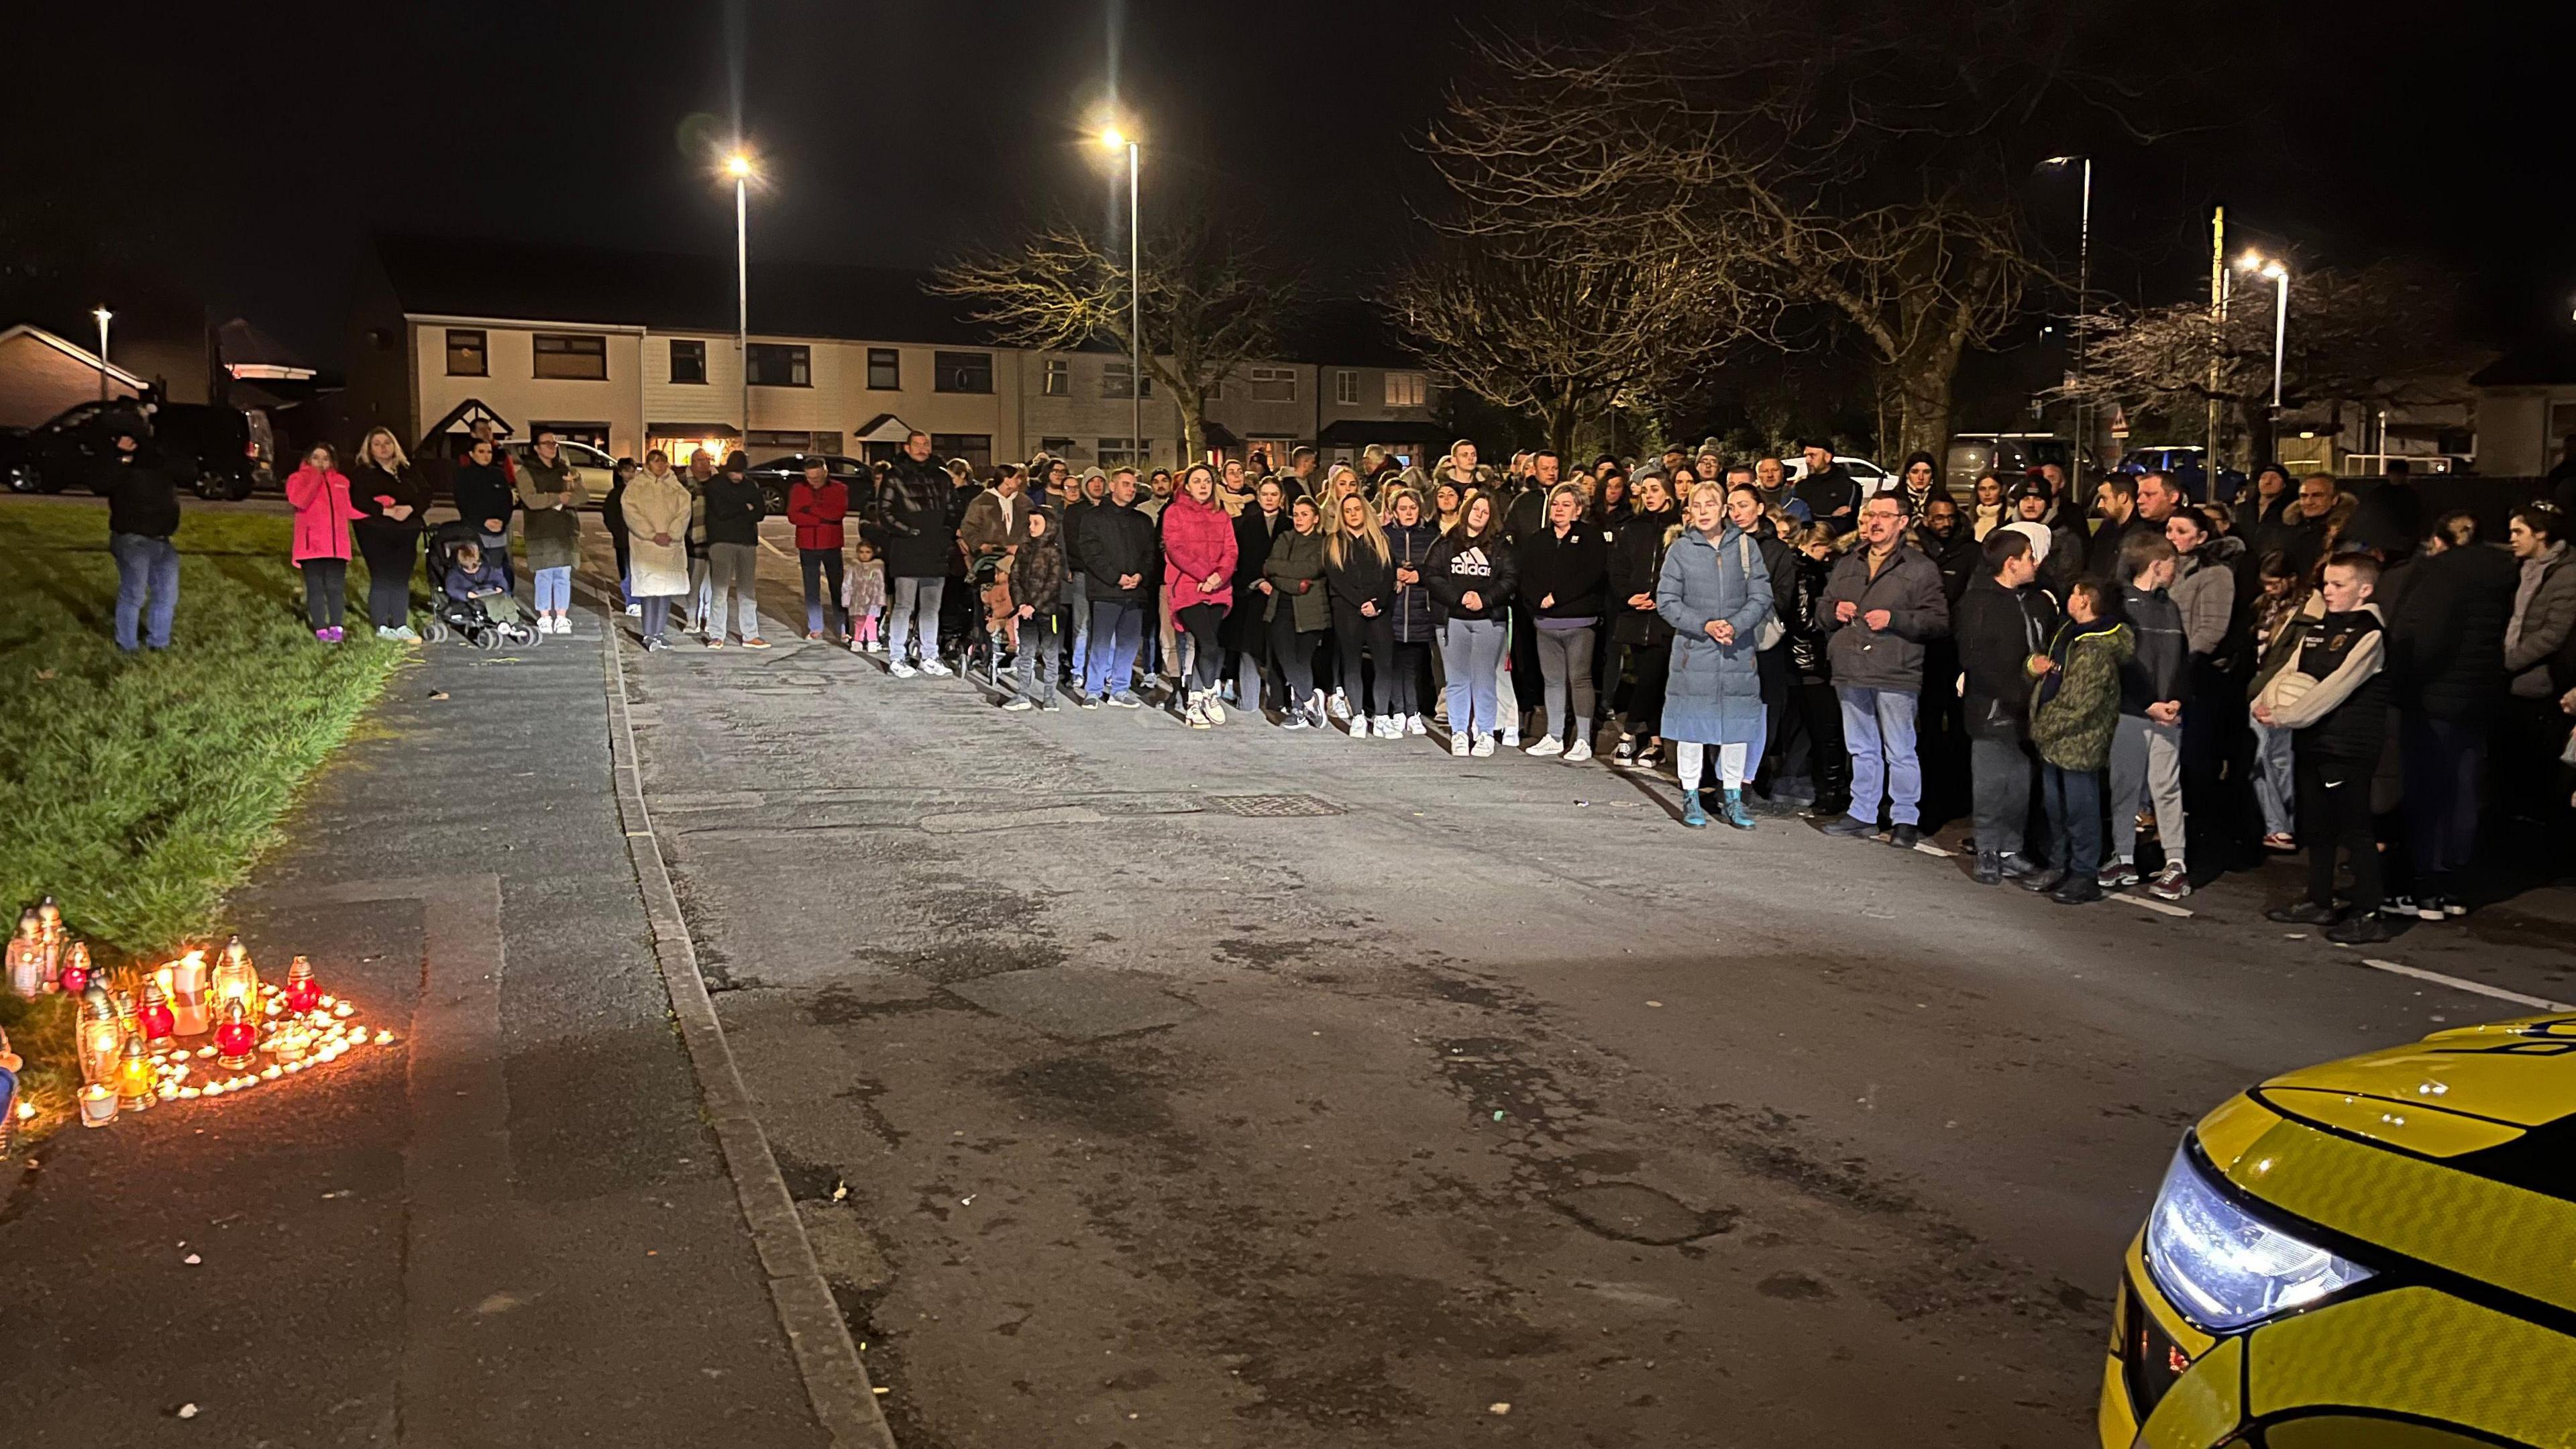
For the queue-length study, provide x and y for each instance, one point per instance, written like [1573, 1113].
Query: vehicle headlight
[2225, 1268]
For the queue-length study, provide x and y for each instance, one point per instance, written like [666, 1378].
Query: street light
[2083, 295]
[1116, 140]
[102, 314]
[2258, 264]
[740, 167]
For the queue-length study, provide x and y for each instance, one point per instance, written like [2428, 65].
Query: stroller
[466, 619]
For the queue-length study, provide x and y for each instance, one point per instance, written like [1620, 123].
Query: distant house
[2526, 409]
[42, 374]
[633, 351]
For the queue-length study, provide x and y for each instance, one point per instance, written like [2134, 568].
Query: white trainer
[1413, 725]
[1484, 749]
[901, 670]
[1547, 745]
[1458, 745]
[935, 669]
[1578, 752]
[1339, 706]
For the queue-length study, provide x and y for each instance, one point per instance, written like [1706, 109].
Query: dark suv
[776, 475]
[226, 449]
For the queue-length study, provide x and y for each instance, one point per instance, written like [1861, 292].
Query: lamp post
[1116, 140]
[739, 167]
[103, 315]
[2258, 264]
[2083, 299]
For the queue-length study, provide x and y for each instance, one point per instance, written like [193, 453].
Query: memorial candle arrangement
[186, 1029]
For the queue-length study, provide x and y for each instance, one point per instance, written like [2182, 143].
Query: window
[1056, 447]
[961, 372]
[791, 442]
[688, 360]
[578, 356]
[778, 364]
[1274, 384]
[1114, 377]
[827, 443]
[1405, 389]
[1346, 386]
[1115, 453]
[573, 436]
[885, 369]
[1059, 378]
[975, 448]
[465, 355]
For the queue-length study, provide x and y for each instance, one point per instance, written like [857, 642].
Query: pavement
[513, 1226]
[1102, 1082]
[1240, 1087]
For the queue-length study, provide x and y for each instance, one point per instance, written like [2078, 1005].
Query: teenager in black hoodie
[1563, 569]
[2003, 618]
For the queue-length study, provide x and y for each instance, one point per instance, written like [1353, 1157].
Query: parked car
[228, 450]
[2186, 463]
[598, 470]
[2010, 456]
[1873, 479]
[2370, 1252]
[776, 475]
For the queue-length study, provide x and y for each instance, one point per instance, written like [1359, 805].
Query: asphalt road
[1146, 1121]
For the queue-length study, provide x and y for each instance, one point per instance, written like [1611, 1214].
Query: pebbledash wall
[680, 390]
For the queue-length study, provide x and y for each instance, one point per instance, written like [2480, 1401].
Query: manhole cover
[1273, 805]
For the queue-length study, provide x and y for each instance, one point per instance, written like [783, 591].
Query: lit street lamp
[2257, 263]
[102, 314]
[2083, 296]
[739, 167]
[1117, 140]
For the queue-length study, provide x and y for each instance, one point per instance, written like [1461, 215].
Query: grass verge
[138, 789]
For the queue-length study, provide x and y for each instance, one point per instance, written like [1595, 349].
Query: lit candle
[302, 991]
[236, 1039]
[97, 1105]
[134, 1077]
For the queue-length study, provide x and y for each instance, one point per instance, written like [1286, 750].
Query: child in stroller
[473, 595]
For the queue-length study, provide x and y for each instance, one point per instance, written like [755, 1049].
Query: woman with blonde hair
[1716, 593]
[390, 497]
[1359, 570]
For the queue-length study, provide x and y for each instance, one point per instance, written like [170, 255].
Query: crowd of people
[2144, 688]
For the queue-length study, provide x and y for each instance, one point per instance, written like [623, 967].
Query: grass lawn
[139, 789]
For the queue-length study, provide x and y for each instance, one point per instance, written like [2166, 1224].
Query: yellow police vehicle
[2378, 1253]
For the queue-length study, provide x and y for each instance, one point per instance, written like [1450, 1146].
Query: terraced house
[632, 351]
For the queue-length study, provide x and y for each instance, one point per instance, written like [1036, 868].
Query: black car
[224, 448]
[777, 475]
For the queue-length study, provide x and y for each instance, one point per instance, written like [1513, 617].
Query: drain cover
[1273, 805]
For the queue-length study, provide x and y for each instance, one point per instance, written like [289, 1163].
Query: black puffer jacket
[142, 493]
[1809, 654]
[2446, 639]
[1997, 630]
[2161, 669]
[1636, 561]
[1413, 608]
[920, 520]
[1116, 542]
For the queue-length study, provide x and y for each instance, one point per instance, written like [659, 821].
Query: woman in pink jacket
[323, 512]
[1198, 584]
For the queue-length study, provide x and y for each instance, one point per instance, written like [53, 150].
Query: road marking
[2151, 903]
[836, 1380]
[2478, 987]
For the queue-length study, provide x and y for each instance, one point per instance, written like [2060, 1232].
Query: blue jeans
[1117, 628]
[2275, 780]
[1077, 603]
[2074, 801]
[147, 569]
[1472, 650]
[1878, 729]
[554, 589]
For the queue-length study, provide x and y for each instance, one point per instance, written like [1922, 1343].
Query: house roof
[2546, 364]
[74, 351]
[667, 291]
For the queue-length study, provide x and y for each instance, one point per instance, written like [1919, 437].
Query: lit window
[465, 353]
[1405, 389]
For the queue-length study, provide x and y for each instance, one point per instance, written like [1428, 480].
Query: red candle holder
[154, 1017]
[236, 1040]
[303, 993]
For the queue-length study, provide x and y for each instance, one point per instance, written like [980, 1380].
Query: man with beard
[1832, 496]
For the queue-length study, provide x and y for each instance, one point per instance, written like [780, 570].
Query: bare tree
[1846, 168]
[1562, 336]
[2381, 335]
[1210, 305]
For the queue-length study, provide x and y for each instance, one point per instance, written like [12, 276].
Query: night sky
[238, 156]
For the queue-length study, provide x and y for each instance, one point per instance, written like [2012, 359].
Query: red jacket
[1198, 540]
[817, 512]
[323, 513]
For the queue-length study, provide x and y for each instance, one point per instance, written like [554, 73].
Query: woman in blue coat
[1716, 594]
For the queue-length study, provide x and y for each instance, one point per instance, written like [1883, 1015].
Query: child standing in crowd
[863, 596]
[323, 512]
[2146, 750]
[1036, 573]
[2074, 712]
[2280, 606]
[2333, 699]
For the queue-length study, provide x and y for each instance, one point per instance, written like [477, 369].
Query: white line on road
[2478, 987]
